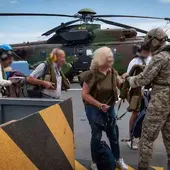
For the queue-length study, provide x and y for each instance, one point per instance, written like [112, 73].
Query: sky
[23, 29]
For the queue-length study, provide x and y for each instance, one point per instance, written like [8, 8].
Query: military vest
[50, 75]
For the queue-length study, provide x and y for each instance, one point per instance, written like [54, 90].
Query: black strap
[119, 117]
[143, 61]
[45, 71]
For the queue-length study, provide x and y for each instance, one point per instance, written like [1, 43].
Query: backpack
[21, 88]
[104, 157]
[137, 125]
[16, 89]
[133, 95]
[15, 74]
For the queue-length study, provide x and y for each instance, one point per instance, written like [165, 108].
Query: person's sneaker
[121, 165]
[94, 166]
[133, 145]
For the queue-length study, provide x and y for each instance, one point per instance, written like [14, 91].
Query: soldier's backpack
[104, 157]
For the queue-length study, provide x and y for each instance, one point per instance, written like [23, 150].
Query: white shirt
[3, 83]
[138, 60]
[39, 72]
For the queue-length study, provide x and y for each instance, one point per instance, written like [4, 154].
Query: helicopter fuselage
[79, 42]
[79, 55]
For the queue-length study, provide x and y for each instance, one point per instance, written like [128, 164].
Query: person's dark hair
[5, 55]
[137, 49]
[145, 47]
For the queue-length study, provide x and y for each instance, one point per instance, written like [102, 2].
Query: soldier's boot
[166, 140]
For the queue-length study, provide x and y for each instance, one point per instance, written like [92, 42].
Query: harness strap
[119, 117]
[143, 61]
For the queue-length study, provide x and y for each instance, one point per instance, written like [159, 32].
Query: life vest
[49, 74]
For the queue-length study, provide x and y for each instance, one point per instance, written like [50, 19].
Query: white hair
[100, 57]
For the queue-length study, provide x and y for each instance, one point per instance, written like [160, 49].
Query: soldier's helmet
[155, 37]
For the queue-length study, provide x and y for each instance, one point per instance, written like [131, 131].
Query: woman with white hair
[99, 94]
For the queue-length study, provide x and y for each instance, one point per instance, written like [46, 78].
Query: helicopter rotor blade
[59, 27]
[37, 14]
[124, 26]
[131, 16]
[121, 25]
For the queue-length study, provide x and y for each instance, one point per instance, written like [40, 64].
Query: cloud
[165, 1]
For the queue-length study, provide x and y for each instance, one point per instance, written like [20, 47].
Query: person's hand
[104, 107]
[124, 75]
[128, 78]
[48, 85]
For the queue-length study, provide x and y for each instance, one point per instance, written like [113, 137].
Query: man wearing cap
[49, 76]
[158, 115]
[6, 59]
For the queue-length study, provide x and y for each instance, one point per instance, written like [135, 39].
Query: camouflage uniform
[158, 115]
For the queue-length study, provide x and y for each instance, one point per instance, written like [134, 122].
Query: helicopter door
[84, 55]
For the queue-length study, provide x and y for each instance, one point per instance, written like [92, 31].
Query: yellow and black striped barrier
[41, 141]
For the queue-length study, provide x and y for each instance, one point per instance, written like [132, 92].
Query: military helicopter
[79, 41]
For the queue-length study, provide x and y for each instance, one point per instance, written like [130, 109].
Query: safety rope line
[22, 59]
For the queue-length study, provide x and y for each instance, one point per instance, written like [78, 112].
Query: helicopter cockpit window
[88, 52]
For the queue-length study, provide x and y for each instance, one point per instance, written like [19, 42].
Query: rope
[23, 60]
